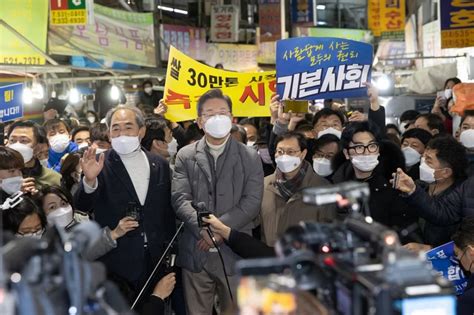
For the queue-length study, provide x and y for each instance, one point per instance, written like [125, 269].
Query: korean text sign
[115, 35]
[457, 23]
[187, 79]
[29, 18]
[68, 12]
[392, 19]
[311, 68]
[11, 102]
[443, 260]
[225, 23]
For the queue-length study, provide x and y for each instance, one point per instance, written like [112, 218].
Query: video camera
[354, 267]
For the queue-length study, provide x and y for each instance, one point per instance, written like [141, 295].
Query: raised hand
[373, 95]
[404, 183]
[161, 109]
[91, 168]
[274, 106]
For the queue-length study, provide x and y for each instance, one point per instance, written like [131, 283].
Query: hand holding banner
[187, 79]
[310, 68]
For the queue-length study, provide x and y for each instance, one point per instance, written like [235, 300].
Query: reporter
[242, 244]
[26, 219]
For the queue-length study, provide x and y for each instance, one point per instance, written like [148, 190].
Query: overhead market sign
[68, 12]
[30, 19]
[457, 23]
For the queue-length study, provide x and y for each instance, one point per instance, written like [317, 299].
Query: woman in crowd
[71, 172]
[11, 178]
[25, 219]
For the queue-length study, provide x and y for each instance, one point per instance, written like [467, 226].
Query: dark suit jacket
[109, 204]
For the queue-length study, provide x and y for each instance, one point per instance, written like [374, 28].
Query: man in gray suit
[228, 177]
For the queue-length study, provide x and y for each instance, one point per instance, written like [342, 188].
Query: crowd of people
[138, 175]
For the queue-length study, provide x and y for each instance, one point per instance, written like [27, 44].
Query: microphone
[202, 212]
[83, 236]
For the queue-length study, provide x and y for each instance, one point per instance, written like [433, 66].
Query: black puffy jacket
[448, 209]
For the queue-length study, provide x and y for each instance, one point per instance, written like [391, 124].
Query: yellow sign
[373, 15]
[457, 23]
[30, 19]
[187, 79]
[392, 19]
[68, 12]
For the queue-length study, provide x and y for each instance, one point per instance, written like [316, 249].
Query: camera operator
[464, 250]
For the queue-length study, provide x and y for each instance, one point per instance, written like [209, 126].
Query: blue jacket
[54, 158]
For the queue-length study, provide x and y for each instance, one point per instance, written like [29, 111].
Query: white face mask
[250, 143]
[100, 150]
[44, 163]
[59, 142]
[322, 167]
[265, 155]
[173, 147]
[427, 173]
[448, 93]
[83, 145]
[12, 184]
[403, 127]
[330, 131]
[25, 150]
[411, 156]
[467, 138]
[148, 90]
[36, 235]
[218, 126]
[91, 119]
[125, 144]
[365, 163]
[61, 216]
[287, 163]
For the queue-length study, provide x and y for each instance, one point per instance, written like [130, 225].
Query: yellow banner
[392, 22]
[373, 15]
[30, 19]
[187, 79]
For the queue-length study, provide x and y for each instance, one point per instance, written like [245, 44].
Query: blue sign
[11, 106]
[444, 261]
[310, 68]
[302, 11]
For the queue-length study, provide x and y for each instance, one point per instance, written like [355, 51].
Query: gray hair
[138, 115]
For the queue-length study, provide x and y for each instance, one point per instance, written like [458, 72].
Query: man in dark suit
[129, 181]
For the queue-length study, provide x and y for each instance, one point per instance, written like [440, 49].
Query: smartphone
[395, 180]
[440, 94]
[133, 211]
[295, 106]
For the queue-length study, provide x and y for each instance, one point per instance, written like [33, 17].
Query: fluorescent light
[322, 23]
[160, 7]
[74, 96]
[180, 11]
[383, 83]
[321, 7]
[37, 90]
[114, 93]
[170, 9]
[27, 96]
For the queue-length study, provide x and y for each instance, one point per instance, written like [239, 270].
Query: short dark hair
[467, 113]
[464, 236]
[303, 126]
[10, 159]
[155, 130]
[100, 132]
[392, 126]
[324, 140]
[62, 193]
[79, 129]
[147, 82]
[455, 80]
[42, 135]
[449, 151]
[434, 121]
[26, 124]
[303, 144]
[410, 115]
[241, 131]
[418, 133]
[326, 112]
[15, 216]
[360, 126]
[215, 93]
[69, 166]
[54, 123]
[193, 133]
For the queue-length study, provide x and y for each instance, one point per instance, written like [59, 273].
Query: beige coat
[277, 215]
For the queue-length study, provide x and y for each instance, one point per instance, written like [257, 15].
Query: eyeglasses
[287, 152]
[209, 115]
[360, 149]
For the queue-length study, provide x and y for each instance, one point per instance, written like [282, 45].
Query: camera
[352, 267]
